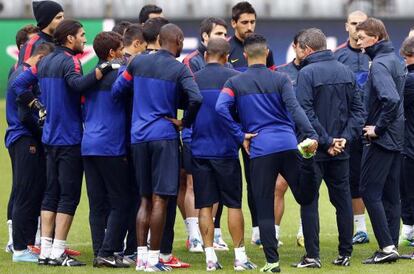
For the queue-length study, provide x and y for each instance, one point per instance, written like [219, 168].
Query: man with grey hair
[326, 90]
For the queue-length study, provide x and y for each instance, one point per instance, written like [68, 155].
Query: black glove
[37, 105]
[109, 66]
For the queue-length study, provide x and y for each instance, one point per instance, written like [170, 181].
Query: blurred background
[278, 20]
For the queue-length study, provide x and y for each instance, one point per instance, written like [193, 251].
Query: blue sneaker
[27, 256]
[157, 268]
[360, 237]
[239, 266]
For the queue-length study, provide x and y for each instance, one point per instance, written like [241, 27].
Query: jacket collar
[318, 56]
[348, 44]
[201, 49]
[66, 50]
[381, 47]
[45, 36]
[410, 68]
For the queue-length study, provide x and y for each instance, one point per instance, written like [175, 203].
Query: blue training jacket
[61, 82]
[291, 70]
[327, 92]
[267, 105]
[104, 131]
[409, 113]
[356, 60]
[236, 57]
[29, 47]
[384, 96]
[159, 90]
[210, 138]
[16, 127]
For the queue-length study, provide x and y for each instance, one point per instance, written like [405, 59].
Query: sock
[58, 248]
[217, 232]
[10, 226]
[210, 254]
[153, 257]
[149, 237]
[359, 221]
[277, 228]
[19, 252]
[388, 249]
[45, 247]
[407, 232]
[255, 233]
[193, 228]
[187, 228]
[300, 230]
[240, 254]
[142, 254]
[165, 257]
[37, 239]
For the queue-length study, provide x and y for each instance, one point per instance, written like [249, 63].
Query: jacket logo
[32, 149]
[234, 60]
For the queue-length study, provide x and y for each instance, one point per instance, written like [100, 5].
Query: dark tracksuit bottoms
[407, 190]
[107, 181]
[336, 176]
[29, 180]
[380, 192]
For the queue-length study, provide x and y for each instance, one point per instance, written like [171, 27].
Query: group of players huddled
[345, 117]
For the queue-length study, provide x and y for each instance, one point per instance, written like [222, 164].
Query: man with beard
[61, 81]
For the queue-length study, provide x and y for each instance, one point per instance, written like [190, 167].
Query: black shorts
[217, 181]
[157, 167]
[187, 157]
[64, 179]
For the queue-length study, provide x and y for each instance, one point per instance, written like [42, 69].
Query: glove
[109, 66]
[42, 111]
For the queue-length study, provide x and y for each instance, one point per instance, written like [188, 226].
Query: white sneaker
[195, 246]
[219, 244]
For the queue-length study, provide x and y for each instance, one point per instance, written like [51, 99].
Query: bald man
[351, 55]
[154, 136]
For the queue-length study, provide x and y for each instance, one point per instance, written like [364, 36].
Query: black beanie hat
[45, 11]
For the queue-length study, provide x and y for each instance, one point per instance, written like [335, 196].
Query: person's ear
[347, 27]
[267, 52]
[245, 55]
[70, 38]
[226, 57]
[205, 37]
[233, 23]
[111, 54]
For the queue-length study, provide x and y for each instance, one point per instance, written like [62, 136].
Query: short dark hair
[374, 27]
[121, 27]
[105, 41]
[132, 33]
[407, 48]
[209, 23]
[152, 28]
[313, 38]
[44, 48]
[240, 8]
[64, 29]
[218, 47]
[255, 45]
[22, 36]
[146, 11]
[295, 38]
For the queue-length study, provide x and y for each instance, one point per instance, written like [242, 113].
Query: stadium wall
[278, 32]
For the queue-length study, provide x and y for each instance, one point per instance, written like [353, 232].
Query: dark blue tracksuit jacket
[327, 92]
[61, 82]
[292, 70]
[384, 96]
[210, 138]
[21, 120]
[356, 60]
[409, 113]
[104, 131]
[28, 48]
[267, 105]
[159, 90]
[237, 59]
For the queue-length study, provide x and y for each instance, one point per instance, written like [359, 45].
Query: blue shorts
[157, 167]
[217, 181]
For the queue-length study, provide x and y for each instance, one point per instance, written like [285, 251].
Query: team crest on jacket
[32, 149]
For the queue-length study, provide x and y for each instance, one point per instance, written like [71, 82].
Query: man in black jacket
[326, 89]
[383, 131]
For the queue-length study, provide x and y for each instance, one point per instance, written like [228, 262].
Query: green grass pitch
[80, 239]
